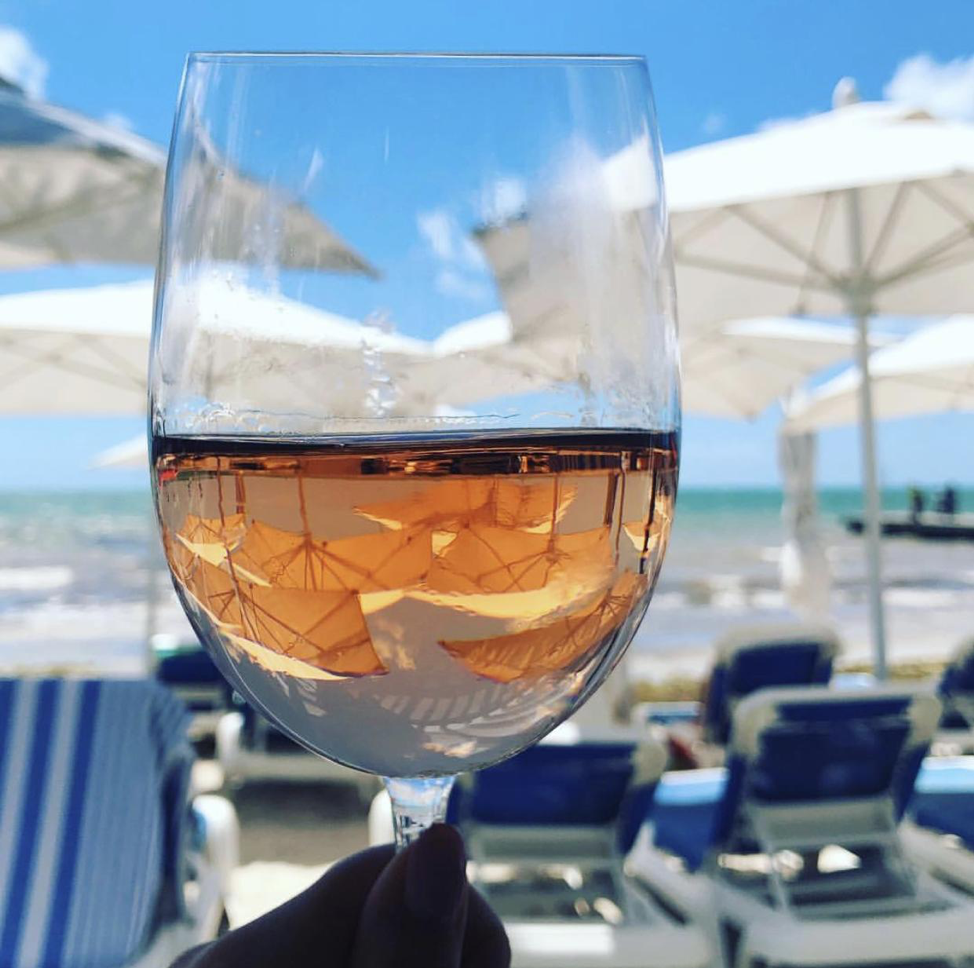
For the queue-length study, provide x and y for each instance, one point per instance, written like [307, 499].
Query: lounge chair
[547, 832]
[749, 659]
[956, 690]
[939, 835]
[798, 841]
[187, 670]
[249, 748]
[104, 860]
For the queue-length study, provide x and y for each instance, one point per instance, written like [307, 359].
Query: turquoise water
[53, 518]
[32, 521]
[74, 569]
[833, 501]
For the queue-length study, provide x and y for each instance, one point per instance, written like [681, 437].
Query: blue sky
[719, 69]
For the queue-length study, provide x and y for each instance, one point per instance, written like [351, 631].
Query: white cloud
[118, 120]
[946, 90]
[437, 228]
[448, 241]
[20, 63]
[505, 198]
[462, 268]
[713, 123]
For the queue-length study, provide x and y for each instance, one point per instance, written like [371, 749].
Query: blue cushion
[869, 707]
[716, 707]
[944, 798]
[958, 680]
[632, 814]
[797, 663]
[692, 811]
[962, 673]
[93, 787]
[685, 813]
[188, 667]
[783, 664]
[826, 761]
[573, 784]
[587, 783]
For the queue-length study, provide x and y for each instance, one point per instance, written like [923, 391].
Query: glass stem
[417, 803]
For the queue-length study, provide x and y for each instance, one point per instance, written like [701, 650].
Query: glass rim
[588, 59]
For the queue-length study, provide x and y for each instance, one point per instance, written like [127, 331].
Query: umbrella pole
[859, 306]
[871, 511]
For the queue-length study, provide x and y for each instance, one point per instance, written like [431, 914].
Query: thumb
[416, 913]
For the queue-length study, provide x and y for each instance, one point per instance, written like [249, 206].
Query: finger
[416, 912]
[316, 928]
[485, 943]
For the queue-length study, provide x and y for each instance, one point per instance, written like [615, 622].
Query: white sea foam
[669, 599]
[921, 598]
[46, 578]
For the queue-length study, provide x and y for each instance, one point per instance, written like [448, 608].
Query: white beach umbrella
[928, 372]
[738, 371]
[77, 190]
[75, 351]
[742, 368]
[866, 209]
[133, 453]
[573, 271]
[84, 351]
[469, 362]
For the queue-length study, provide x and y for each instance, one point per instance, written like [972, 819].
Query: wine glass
[414, 394]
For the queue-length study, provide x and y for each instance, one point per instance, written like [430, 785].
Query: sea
[83, 583]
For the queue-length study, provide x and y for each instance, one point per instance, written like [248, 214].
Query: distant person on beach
[375, 909]
[916, 500]
[947, 503]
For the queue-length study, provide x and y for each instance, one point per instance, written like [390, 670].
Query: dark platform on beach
[928, 526]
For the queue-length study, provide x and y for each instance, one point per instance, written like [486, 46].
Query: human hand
[375, 909]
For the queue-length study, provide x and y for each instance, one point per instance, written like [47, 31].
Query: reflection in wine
[414, 605]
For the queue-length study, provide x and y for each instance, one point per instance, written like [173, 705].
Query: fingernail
[436, 876]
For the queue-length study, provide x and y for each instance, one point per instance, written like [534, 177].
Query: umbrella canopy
[76, 190]
[75, 351]
[742, 368]
[928, 372]
[761, 223]
[868, 208]
[130, 453]
[84, 351]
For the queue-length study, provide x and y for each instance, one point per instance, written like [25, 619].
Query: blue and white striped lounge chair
[798, 840]
[749, 659]
[103, 863]
[956, 690]
[249, 748]
[547, 832]
[940, 833]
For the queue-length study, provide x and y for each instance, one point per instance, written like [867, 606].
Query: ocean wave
[42, 579]
[921, 597]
